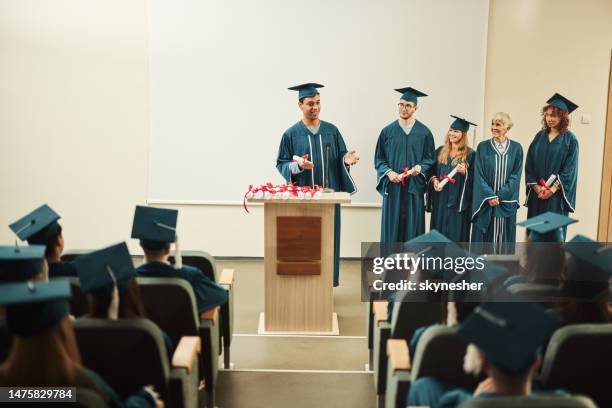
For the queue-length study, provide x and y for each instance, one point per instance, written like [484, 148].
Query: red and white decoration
[270, 191]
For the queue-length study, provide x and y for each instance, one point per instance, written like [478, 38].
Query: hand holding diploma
[449, 177]
[545, 192]
[303, 162]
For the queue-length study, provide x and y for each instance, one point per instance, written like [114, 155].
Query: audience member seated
[545, 258]
[507, 338]
[156, 229]
[40, 227]
[587, 287]
[44, 352]
[108, 276]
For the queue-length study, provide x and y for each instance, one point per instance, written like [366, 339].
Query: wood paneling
[298, 239]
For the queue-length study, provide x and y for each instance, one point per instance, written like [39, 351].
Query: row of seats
[577, 358]
[134, 353]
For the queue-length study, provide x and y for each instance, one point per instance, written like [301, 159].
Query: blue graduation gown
[140, 399]
[496, 175]
[403, 207]
[298, 141]
[559, 157]
[62, 269]
[451, 208]
[207, 293]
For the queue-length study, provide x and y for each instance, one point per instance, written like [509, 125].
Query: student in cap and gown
[497, 176]
[545, 257]
[587, 286]
[312, 153]
[44, 352]
[40, 227]
[431, 244]
[553, 152]
[450, 205]
[108, 276]
[508, 338]
[156, 229]
[404, 155]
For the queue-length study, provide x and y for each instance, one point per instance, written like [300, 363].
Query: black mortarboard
[562, 103]
[38, 226]
[101, 269]
[461, 124]
[33, 307]
[410, 94]
[547, 227]
[509, 334]
[20, 263]
[306, 90]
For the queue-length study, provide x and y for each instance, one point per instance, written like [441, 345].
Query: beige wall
[74, 116]
[539, 47]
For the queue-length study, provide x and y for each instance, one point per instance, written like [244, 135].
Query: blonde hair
[461, 153]
[504, 118]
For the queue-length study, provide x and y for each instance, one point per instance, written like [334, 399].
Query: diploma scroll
[450, 176]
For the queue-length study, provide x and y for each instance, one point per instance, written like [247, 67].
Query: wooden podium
[299, 265]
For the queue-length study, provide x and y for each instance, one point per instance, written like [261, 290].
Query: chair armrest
[227, 277]
[399, 358]
[380, 310]
[186, 353]
[210, 314]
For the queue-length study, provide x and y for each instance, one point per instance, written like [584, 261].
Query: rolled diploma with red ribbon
[548, 182]
[450, 175]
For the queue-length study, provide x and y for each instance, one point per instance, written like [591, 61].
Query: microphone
[326, 188]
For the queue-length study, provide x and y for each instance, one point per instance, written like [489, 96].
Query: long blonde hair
[461, 153]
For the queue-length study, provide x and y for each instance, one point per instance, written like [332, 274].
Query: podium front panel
[299, 263]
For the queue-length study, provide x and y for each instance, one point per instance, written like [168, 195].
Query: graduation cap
[20, 263]
[306, 90]
[562, 103]
[410, 94]
[154, 226]
[33, 307]
[509, 334]
[38, 226]
[547, 227]
[481, 271]
[105, 268]
[461, 124]
[589, 268]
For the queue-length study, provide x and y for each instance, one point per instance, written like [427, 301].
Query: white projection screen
[219, 72]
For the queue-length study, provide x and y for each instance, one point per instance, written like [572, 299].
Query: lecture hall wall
[74, 114]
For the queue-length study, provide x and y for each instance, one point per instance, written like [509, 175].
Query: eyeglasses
[403, 106]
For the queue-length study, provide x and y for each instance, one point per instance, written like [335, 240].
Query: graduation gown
[62, 269]
[207, 293]
[403, 207]
[298, 140]
[544, 158]
[496, 175]
[451, 208]
[139, 399]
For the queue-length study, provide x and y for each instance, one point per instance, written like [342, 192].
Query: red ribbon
[543, 184]
[445, 177]
[280, 189]
[405, 174]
